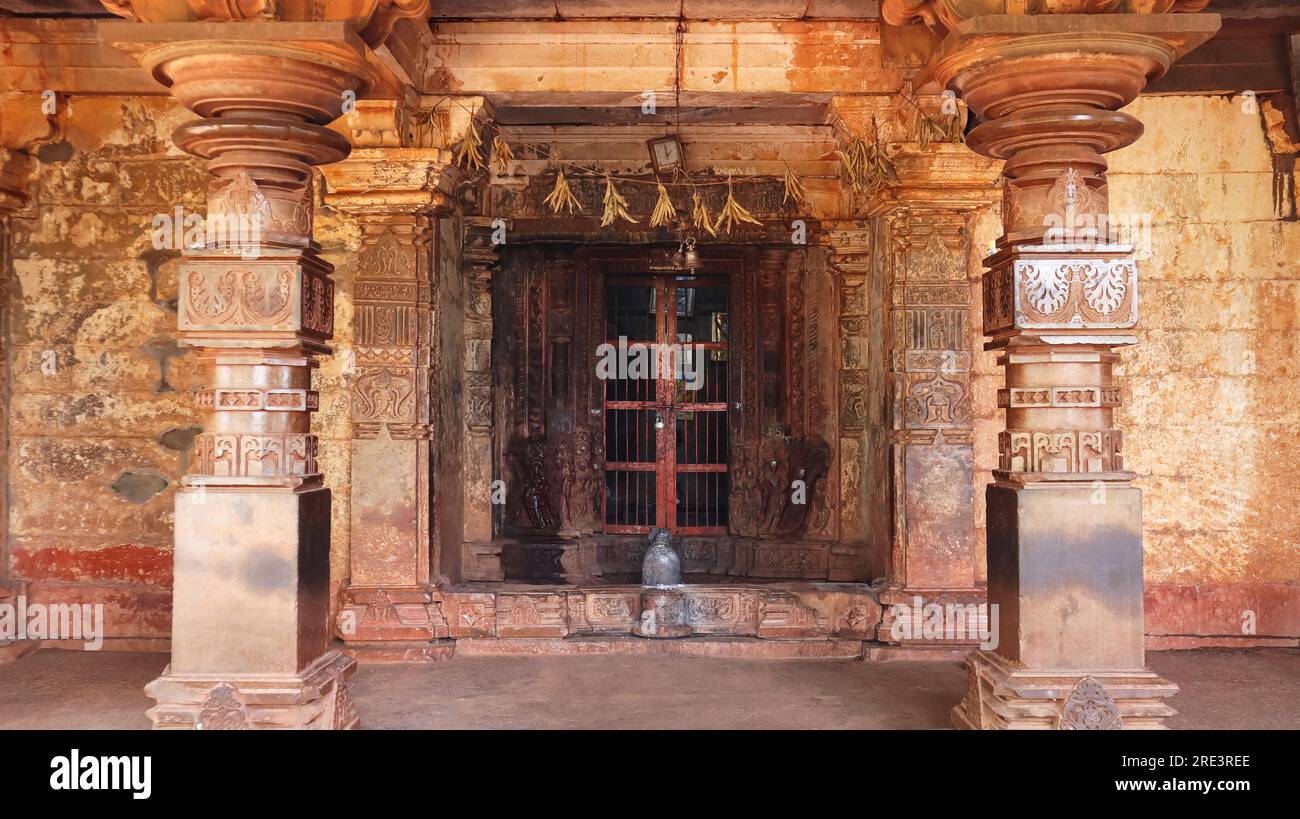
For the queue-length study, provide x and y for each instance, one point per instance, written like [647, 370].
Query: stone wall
[102, 409]
[1210, 412]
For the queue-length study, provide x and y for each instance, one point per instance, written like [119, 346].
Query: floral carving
[937, 401]
[223, 711]
[1104, 287]
[211, 297]
[1047, 288]
[240, 198]
[1089, 293]
[1090, 708]
[266, 292]
[384, 395]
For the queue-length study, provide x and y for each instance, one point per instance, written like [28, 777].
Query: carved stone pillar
[392, 190]
[1064, 521]
[928, 222]
[250, 635]
[860, 332]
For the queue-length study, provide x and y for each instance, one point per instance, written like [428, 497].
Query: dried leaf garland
[700, 215]
[733, 213]
[502, 155]
[561, 198]
[793, 190]
[664, 212]
[615, 205]
[469, 153]
[927, 130]
[867, 165]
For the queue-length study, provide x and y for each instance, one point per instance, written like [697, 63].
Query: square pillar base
[316, 698]
[1002, 695]
[250, 619]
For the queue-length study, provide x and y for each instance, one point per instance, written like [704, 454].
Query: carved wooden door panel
[665, 404]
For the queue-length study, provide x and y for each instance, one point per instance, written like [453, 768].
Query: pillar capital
[402, 156]
[372, 19]
[1047, 89]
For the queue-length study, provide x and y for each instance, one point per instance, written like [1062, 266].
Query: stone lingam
[661, 566]
[663, 608]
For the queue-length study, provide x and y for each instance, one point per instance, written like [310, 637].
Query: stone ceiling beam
[641, 55]
[656, 9]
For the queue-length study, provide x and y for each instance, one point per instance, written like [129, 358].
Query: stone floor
[1220, 689]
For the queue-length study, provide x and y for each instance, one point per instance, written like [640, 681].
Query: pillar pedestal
[251, 614]
[1004, 695]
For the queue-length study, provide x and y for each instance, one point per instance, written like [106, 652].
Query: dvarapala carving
[533, 484]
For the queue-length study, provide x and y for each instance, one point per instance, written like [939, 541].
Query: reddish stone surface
[1218, 610]
[397, 653]
[39, 559]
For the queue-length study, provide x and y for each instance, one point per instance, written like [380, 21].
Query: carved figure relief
[809, 460]
[529, 462]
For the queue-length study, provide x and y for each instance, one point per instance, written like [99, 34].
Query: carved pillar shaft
[1064, 521]
[926, 245]
[395, 192]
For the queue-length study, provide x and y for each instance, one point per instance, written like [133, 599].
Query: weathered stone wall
[1210, 412]
[102, 411]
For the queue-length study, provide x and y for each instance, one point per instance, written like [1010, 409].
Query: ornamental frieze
[260, 297]
[1060, 451]
[255, 455]
[1064, 397]
[238, 399]
[1061, 294]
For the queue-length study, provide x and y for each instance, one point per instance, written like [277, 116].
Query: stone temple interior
[396, 331]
